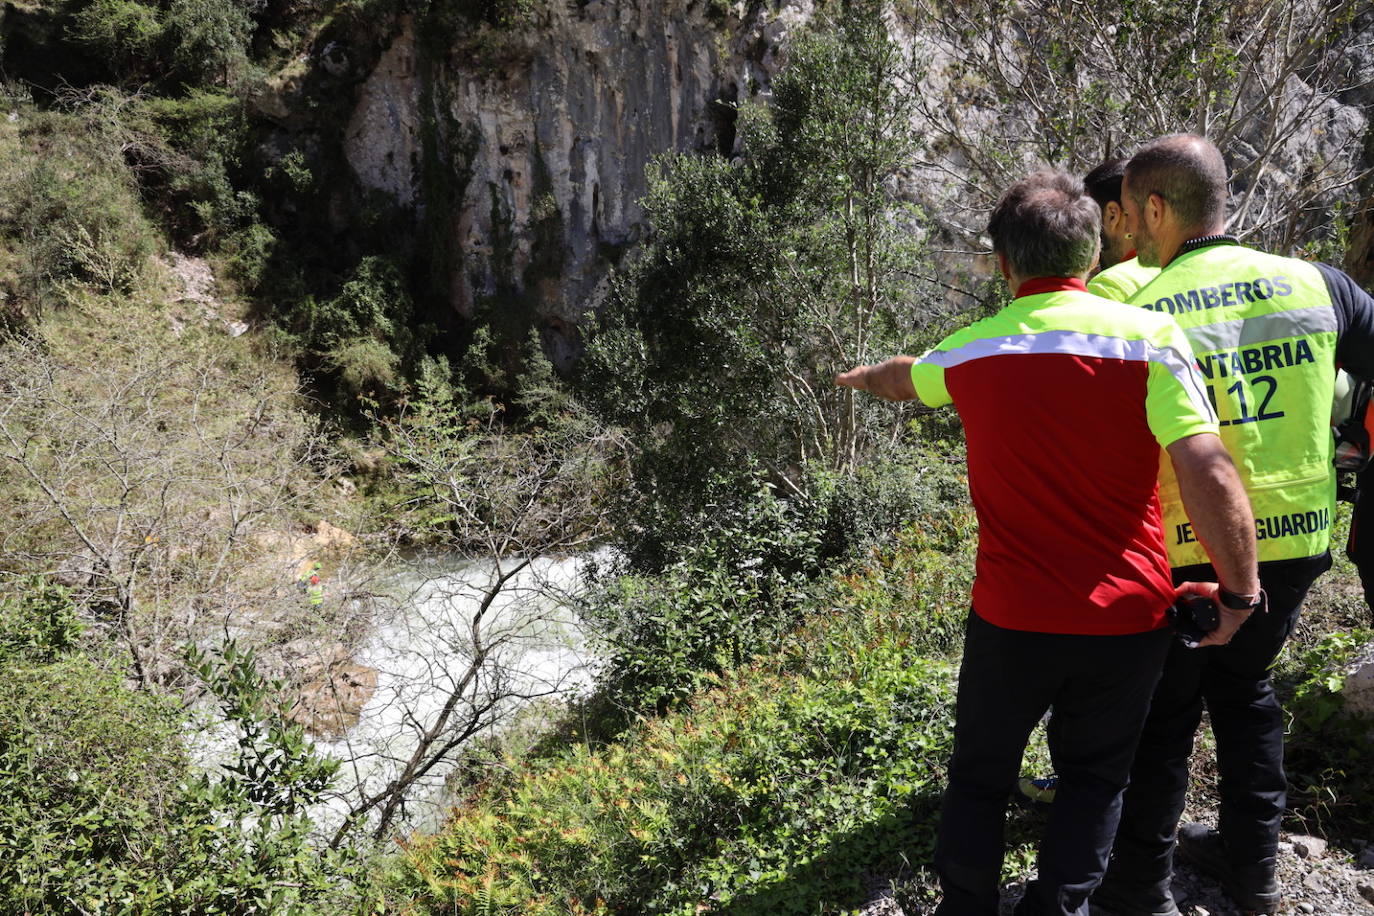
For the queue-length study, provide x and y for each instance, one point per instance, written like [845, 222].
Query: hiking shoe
[1119, 898]
[1038, 791]
[1254, 887]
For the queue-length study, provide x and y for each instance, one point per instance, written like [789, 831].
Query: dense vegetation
[104, 813]
[779, 571]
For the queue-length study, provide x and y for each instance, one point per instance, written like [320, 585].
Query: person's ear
[1004, 266]
[1155, 206]
[1111, 215]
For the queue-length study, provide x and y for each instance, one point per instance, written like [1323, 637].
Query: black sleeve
[1354, 322]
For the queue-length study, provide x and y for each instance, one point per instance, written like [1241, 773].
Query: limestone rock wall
[538, 163]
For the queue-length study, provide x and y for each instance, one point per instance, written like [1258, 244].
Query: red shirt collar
[1128, 255]
[1037, 285]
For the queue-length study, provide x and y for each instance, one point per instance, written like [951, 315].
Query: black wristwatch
[1236, 602]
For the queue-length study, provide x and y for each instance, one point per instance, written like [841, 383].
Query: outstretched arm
[889, 380]
[1220, 512]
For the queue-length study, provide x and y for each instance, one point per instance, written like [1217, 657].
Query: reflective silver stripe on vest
[1232, 335]
[1076, 343]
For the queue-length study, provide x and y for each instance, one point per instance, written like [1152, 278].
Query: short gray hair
[1047, 226]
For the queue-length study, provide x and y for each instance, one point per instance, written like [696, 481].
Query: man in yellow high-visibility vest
[1268, 332]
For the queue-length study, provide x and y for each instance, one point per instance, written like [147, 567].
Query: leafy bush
[188, 152]
[72, 210]
[100, 810]
[923, 577]
[248, 251]
[504, 14]
[208, 40]
[125, 33]
[367, 334]
[856, 512]
[742, 585]
[773, 793]
[87, 767]
[703, 592]
[1327, 750]
[88, 774]
[491, 33]
[243, 843]
[39, 626]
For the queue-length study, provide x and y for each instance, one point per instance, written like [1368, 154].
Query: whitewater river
[422, 648]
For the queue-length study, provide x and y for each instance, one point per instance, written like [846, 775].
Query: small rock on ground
[1309, 847]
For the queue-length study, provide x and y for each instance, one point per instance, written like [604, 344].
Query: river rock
[330, 705]
[1309, 847]
[331, 537]
[331, 688]
[1359, 687]
[301, 660]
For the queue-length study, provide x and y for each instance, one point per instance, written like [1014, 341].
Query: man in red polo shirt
[1066, 400]
[1119, 275]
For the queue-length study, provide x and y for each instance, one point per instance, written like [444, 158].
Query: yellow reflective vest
[1264, 331]
[1122, 280]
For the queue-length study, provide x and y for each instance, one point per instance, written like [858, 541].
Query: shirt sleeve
[1108, 287]
[1176, 402]
[1354, 321]
[929, 380]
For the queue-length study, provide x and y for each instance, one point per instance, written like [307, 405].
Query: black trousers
[1100, 687]
[1233, 682]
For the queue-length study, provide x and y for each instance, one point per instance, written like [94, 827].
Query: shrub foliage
[774, 792]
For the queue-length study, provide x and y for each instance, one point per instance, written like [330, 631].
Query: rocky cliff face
[521, 154]
[528, 161]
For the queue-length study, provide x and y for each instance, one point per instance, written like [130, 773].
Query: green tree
[764, 277]
[842, 129]
[208, 40]
[125, 33]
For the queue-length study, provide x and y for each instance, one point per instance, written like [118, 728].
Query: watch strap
[1235, 602]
